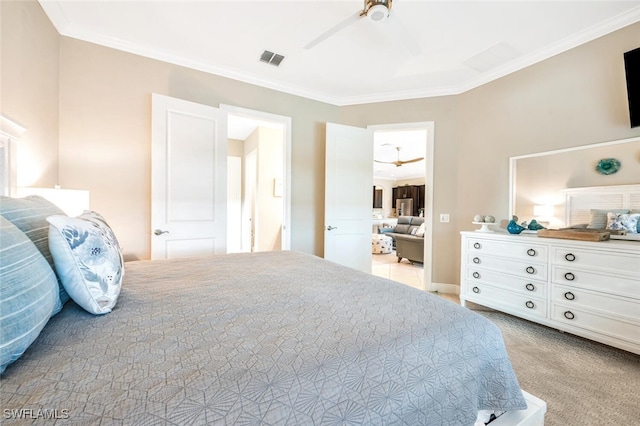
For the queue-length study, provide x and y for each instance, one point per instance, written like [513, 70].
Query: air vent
[271, 58]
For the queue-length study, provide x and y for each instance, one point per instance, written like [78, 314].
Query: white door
[348, 196]
[188, 179]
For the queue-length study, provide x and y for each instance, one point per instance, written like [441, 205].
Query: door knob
[160, 232]
[329, 228]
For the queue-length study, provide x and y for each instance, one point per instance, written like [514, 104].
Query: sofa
[408, 238]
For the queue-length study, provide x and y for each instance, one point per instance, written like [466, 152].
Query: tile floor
[387, 266]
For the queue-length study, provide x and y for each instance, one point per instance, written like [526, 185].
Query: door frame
[286, 184]
[429, 126]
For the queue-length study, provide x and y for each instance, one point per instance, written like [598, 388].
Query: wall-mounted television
[632, 70]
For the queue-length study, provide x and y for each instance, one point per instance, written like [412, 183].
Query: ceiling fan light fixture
[378, 13]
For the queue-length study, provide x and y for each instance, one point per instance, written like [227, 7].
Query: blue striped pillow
[29, 292]
[30, 214]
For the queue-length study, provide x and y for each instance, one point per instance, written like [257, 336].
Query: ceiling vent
[493, 57]
[271, 58]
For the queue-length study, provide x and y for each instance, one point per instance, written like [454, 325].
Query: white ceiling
[424, 48]
[412, 144]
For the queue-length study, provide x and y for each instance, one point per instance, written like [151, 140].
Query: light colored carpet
[582, 382]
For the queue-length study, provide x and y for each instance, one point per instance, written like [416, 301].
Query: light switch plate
[444, 217]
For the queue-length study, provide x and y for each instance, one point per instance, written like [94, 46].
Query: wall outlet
[444, 217]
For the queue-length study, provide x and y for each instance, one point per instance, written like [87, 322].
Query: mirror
[537, 180]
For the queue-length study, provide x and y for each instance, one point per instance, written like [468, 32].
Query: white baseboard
[445, 288]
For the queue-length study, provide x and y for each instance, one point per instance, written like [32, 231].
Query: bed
[604, 207]
[263, 338]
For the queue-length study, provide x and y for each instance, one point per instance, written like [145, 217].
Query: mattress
[264, 338]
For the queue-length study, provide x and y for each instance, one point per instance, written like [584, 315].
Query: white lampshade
[71, 201]
[543, 211]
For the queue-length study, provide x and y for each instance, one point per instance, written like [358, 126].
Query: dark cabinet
[415, 192]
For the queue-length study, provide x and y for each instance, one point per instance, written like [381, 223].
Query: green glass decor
[534, 225]
[608, 166]
[513, 227]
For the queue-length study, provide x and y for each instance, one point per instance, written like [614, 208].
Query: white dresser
[591, 289]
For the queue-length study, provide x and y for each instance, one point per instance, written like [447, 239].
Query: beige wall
[269, 147]
[572, 99]
[105, 109]
[29, 69]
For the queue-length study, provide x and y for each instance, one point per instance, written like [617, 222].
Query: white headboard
[580, 201]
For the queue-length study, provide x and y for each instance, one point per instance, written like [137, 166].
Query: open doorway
[259, 181]
[403, 172]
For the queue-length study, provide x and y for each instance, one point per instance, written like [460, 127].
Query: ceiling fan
[399, 162]
[376, 11]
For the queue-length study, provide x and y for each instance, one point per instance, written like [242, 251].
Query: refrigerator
[404, 207]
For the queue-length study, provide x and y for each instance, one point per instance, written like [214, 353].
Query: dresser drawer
[626, 286]
[597, 259]
[538, 253]
[507, 301]
[527, 269]
[571, 297]
[525, 286]
[612, 327]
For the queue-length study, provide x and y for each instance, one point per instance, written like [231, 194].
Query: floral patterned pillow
[88, 259]
[624, 222]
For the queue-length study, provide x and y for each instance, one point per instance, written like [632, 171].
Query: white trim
[445, 288]
[429, 126]
[10, 129]
[10, 133]
[286, 196]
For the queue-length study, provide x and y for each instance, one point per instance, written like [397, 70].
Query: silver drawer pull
[476, 260]
[477, 245]
[530, 270]
[530, 287]
[476, 290]
[532, 252]
[570, 257]
[569, 315]
[569, 296]
[569, 276]
[476, 275]
[530, 304]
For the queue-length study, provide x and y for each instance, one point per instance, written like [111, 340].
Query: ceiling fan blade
[412, 161]
[385, 162]
[403, 35]
[331, 31]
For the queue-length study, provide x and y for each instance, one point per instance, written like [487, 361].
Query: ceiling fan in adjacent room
[399, 162]
[376, 11]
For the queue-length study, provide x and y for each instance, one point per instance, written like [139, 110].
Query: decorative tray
[583, 234]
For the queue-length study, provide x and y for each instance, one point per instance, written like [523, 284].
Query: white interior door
[189, 179]
[348, 196]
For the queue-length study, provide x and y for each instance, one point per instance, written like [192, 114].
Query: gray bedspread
[267, 338]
